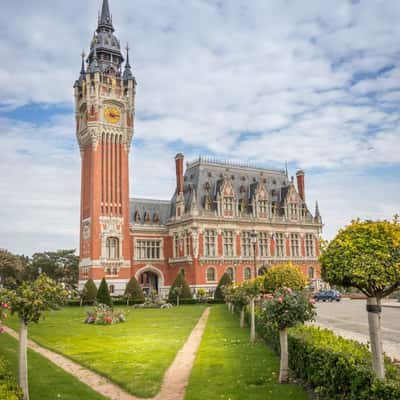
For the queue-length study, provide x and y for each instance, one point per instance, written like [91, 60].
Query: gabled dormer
[293, 204]
[226, 198]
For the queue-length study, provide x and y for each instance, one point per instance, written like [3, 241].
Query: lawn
[134, 355]
[47, 381]
[228, 367]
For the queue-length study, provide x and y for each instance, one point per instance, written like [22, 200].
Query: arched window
[115, 271]
[311, 272]
[231, 273]
[262, 271]
[211, 274]
[247, 273]
[108, 271]
[182, 271]
[111, 288]
[112, 248]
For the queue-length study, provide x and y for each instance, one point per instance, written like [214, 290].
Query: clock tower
[104, 109]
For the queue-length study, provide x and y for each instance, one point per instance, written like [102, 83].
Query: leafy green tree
[133, 292]
[283, 310]
[29, 301]
[89, 292]
[366, 255]
[223, 282]
[12, 268]
[61, 266]
[179, 289]
[284, 276]
[103, 295]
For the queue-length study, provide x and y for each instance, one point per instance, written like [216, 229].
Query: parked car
[327, 295]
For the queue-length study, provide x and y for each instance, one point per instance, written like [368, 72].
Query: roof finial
[127, 55]
[105, 20]
[83, 73]
[286, 170]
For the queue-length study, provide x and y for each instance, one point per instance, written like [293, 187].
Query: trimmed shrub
[9, 389]
[133, 292]
[224, 281]
[284, 276]
[103, 295]
[89, 292]
[335, 367]
[181, 285]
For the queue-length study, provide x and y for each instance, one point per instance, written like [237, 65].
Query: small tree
[284, 276]
[103, 295]
[219, 291]
[89, 292]
[251, 289]
[179, 289]
[366, 255]
[133, 292]
[29, 301]
[240, 301]
[282, 310]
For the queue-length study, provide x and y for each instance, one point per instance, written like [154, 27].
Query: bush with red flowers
[104, 315]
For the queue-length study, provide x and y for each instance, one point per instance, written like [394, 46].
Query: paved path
[175, 379]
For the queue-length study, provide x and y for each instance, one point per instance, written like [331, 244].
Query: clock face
[112, 115]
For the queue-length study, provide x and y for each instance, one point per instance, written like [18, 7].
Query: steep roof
[157, 211]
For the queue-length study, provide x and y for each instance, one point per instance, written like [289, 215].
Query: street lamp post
[254, 242]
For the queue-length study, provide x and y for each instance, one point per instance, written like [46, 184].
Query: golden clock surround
[112, 115]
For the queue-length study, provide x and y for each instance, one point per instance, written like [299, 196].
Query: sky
[312, 83]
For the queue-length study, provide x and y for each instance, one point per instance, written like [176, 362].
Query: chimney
[300, 184]
[179, 172]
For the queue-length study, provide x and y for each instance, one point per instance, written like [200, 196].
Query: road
[348, 318]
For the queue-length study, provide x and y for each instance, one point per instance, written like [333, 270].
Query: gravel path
[175, 379]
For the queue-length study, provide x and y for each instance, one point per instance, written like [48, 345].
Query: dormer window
[156, 218]
[263, 206]
[137, 217]
[146, 218]
[228, 204]
[293, 210]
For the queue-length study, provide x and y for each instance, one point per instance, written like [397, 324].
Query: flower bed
[104, 315]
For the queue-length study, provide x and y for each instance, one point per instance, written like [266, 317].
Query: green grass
[134, 355]
[46, 380]
[228, 367]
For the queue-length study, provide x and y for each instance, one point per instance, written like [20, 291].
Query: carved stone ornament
[86, 230]
[195, 242]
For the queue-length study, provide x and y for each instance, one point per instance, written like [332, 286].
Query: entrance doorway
[148, 280]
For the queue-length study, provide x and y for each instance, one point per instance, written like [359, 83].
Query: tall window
[112, 248]
[176, 245]
[294, 244]
[147, 249]
[228, 243]
[111, 289]
[85, 272]
[280, 244]
[210, 274]
[247, 273]
[293, 210]
[263, 204]
[231, 273]
[246, 245]
[311, 272]
[187, 244]
[310, 245]
[209, 243]
[263, 244]
[228, 203]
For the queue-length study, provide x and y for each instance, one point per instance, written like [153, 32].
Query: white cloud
[264, 81]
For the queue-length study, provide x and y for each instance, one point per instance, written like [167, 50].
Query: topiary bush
[9, 390]
[284, 276]
[133, 292]
[103, 295]
[181, 288]
[224, 282]
[89, 292]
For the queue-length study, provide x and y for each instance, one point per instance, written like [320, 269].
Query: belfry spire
[105, 20]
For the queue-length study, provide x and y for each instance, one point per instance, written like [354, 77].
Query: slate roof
[158, 211]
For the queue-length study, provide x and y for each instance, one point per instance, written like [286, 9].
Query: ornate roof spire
[83, 72]
[127, 72]
[317, 215]
[105, 20]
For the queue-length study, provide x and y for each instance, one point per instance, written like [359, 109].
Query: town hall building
[222, 217]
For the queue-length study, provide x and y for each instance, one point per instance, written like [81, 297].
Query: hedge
[9, 390]
[335, 367]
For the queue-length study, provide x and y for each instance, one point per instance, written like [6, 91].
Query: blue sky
[262, 81]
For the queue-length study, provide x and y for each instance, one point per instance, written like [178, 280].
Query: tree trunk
[233, 309]
[177, 301]
[283, 373]
[375, 335]
[253, 321]
[81, 302]
[242, 317]
[23, 359]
